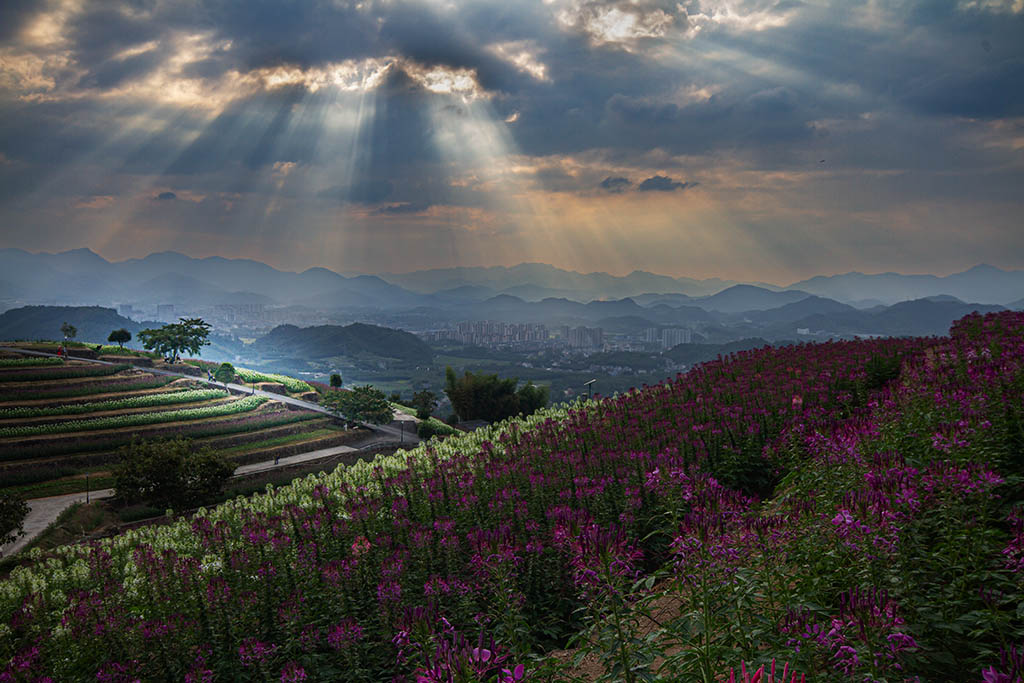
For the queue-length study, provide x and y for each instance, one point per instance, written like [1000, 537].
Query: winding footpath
[44, 511]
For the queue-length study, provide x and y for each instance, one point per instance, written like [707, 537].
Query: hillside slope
[850, 507]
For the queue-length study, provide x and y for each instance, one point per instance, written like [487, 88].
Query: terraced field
[60, 421]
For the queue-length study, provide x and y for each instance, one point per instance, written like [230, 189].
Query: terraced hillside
[62, 419]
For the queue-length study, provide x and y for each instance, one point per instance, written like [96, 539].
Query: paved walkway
[44, 511]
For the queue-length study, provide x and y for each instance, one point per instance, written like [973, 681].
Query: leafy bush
[434, 427]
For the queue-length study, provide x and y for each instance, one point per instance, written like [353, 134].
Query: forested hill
[324, 341]
[94, 323]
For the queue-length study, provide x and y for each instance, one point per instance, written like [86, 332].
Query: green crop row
[290, 383]
[148, 400]
[72, 391]
[38, 361]
[69, 372]
[118, 421]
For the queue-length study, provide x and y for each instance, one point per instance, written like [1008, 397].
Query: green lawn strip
[145, 401]
[122, 421]
[85, 389]
[60, 487]
[50, 403]
[31, 362]
[104, 444]
[312, 435]
[146, 410]
[69, 372]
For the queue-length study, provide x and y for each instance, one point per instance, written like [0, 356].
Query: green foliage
[12, 513]
[68, 330]
[120, 337]
[290, 383]
[434, 427]
[136, 420]
[360, 404]
[424, 402]
[880, 370]
[29, 362]
[225, 374]
[148, 400]
[490, 398]
[170, 473]
[189, 334]
[335, 380]
[68, 372]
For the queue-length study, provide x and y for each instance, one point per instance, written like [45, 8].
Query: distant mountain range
[81, 276]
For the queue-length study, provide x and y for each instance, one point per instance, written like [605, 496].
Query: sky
[748, 139]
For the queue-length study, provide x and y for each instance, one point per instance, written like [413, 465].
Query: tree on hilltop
[335, 380]
[70, 332]
[189, 334]
[120, 337]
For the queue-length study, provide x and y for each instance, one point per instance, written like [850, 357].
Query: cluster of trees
[170, 474]
[491, 398]
[360, 404]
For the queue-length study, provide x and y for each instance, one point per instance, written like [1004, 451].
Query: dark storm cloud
[615, 184]
[13, 16]
[166, 196]
[403, 208]
[661, 183]
[361, 192]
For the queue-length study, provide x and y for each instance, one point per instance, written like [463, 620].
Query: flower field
[146, 401]
[854, 509]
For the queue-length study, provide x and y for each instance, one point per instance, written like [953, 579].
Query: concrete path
[44, 511]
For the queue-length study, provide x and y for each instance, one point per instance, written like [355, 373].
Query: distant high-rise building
[125, 310]
[652, 334]
[586, 338]
[673, 336]
[165, 312]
